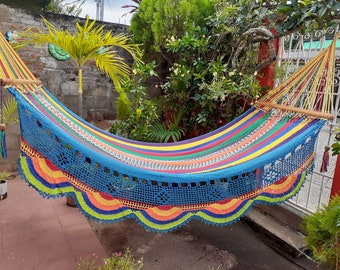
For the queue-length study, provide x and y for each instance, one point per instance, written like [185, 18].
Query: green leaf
[283, 8]
[322, 11]
[10, 112]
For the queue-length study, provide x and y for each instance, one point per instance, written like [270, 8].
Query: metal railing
[294, 51]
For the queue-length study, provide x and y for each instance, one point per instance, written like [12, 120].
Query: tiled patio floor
[38, 233]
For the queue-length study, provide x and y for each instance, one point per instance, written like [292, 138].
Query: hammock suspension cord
[3, 150]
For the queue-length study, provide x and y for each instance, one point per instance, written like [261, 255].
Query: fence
[294, 51]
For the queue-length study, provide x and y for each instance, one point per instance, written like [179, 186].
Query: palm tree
[88, 42]
[134, 8]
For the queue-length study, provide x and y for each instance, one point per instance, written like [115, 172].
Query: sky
[113, 11]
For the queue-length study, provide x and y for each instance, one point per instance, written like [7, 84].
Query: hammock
[263, 156]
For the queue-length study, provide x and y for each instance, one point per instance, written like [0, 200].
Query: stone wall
[60, 77]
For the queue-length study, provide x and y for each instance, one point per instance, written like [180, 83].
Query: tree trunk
[69, 199]
[80, 92]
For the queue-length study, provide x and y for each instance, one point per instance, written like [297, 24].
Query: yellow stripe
[11, 59]
[164, 147]
[163, 227]
[260, 151]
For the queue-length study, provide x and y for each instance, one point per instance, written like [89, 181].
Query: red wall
[267, 74]
[336, 179]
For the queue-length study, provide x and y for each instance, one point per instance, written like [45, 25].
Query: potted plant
[3, 184]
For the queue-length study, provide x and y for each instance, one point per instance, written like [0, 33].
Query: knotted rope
[3, 150]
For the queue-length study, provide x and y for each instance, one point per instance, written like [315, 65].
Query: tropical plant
[117, 261]
[155, 22]
[9, 113]
[136, 112]
[323, 234]
[88, 42]
[4, 175]
[209, 59]
[306, 15]
[336, 145]
[161, 20]
[285, 16]
[170, 131]
[134, 8]
[203, 81]
[60, 7]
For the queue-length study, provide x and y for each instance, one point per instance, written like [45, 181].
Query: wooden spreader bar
[4, 82]
[297, 110]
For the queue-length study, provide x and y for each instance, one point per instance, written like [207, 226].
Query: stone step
[279, 235]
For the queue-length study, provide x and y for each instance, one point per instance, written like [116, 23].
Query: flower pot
[70, 201]
[3, 189]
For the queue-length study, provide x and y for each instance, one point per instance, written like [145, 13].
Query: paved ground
[197, 246]
[42, 234]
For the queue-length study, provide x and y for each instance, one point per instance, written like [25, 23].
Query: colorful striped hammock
[263, 156]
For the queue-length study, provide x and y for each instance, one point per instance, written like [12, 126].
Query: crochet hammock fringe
[263, 156]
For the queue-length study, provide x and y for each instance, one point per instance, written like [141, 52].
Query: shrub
[323, 237]
[117, 261]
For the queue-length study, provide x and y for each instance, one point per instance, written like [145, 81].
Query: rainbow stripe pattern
[262, 156]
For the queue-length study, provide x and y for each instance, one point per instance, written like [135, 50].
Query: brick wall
[60, 77]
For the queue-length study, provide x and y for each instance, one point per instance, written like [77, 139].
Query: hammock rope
[263, 156]
[310, 88]
[3, 150]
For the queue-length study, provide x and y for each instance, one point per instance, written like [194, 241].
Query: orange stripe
[164, 215]
[100, 202]
[224, 208]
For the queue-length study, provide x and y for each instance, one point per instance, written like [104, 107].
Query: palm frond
[88, 42]
[134, 8]
[83, 45]
[9, 115]
[159, 132]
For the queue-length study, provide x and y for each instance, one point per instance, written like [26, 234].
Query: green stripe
[154, 156]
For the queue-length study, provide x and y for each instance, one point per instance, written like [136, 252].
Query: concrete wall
[60, 77]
